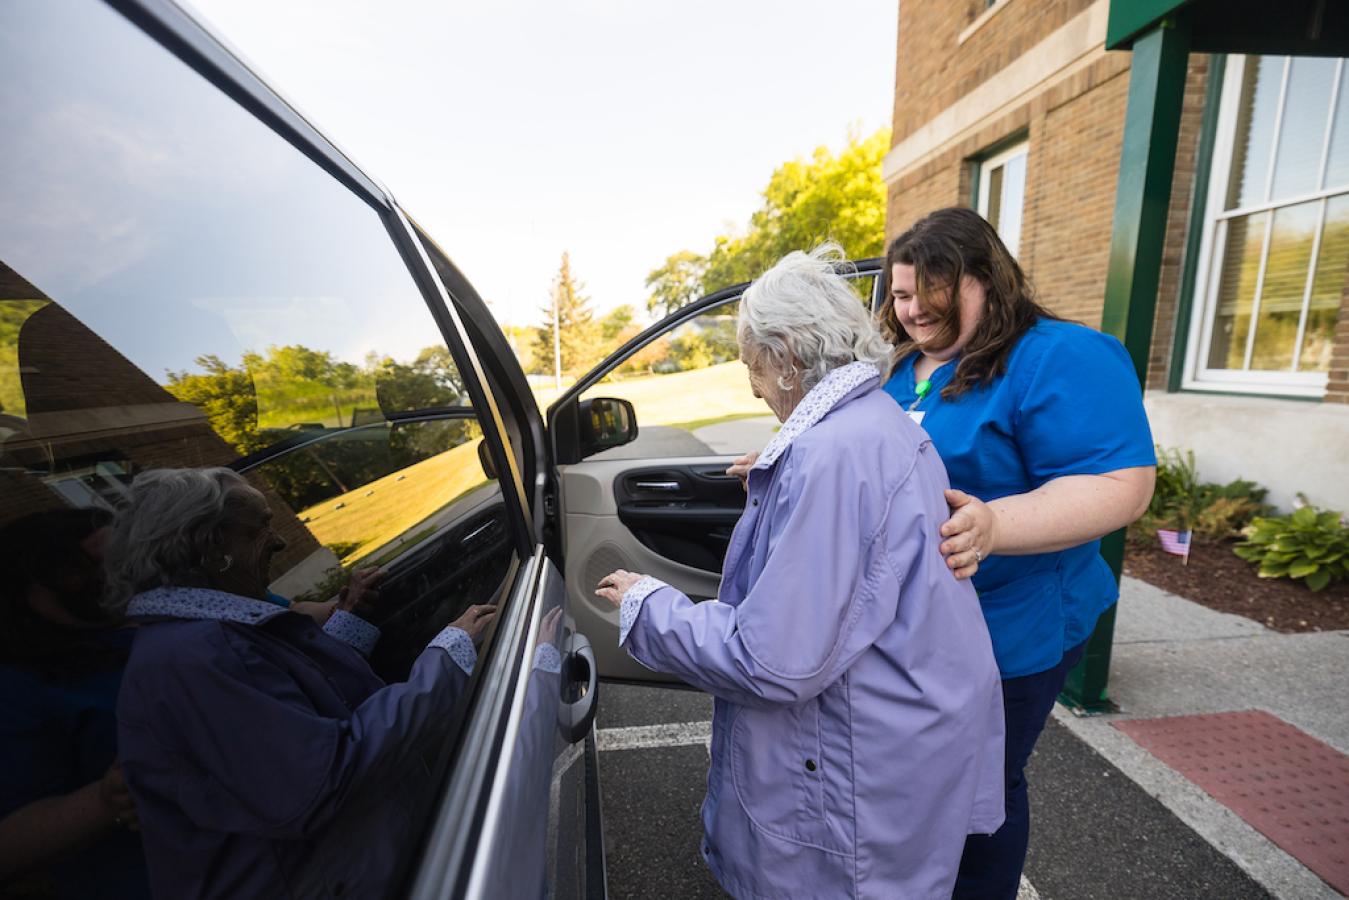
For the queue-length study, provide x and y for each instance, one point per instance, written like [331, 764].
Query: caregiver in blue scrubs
[1041, 425]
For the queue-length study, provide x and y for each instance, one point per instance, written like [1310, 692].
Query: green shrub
[1311, 545]
[1225, 509]
[1175, 498]
[1182, 502]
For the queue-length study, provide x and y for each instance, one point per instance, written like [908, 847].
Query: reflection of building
[1017, 108]
[92, 418]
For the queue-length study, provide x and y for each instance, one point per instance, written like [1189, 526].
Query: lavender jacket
[857, 736]
[265, 757]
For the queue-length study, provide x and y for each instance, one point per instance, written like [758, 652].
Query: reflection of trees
[13, 313]
[707, 341]
[1284, 286]
[325, 421]
[225, 394]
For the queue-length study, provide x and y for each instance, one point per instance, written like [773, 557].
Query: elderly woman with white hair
[265, 756]
[857, 736]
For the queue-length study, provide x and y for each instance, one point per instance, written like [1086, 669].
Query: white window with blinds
[1275, 247]
[1002, 193]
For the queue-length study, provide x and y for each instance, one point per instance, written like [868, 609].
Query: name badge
[916, 415]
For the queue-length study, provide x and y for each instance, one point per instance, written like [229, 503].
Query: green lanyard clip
[923, 388]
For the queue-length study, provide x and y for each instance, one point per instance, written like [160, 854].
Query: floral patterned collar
[817, 403]
[201, 603]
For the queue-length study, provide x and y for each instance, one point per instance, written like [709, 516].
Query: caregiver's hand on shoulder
[613, 586]
[741, 466]
[969, 533]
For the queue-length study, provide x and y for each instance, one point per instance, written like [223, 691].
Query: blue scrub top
[1068, 404]
[57, 735]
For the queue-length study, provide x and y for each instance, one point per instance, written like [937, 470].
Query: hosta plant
[1309, 545]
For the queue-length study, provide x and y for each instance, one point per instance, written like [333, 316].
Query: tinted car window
[180, 287]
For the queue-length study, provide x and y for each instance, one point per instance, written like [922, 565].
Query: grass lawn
[375, 514]
[378, 512]
[703, 423]
[685, 400]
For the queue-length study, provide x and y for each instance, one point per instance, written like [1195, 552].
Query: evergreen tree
[579, 332]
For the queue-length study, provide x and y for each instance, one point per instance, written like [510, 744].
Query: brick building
[1016, 107]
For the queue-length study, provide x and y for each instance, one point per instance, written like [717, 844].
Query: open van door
[652, 496]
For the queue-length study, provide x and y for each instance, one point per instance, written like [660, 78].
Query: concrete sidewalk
[1173, 657]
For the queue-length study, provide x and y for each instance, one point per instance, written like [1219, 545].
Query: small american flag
[1177, 543]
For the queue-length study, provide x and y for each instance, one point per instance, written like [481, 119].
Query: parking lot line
[641, 737]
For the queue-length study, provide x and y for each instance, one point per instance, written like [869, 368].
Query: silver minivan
[192, 275]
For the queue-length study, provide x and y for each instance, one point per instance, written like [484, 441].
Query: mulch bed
[1219, 579]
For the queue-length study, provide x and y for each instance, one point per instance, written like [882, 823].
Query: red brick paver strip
[1285, 783]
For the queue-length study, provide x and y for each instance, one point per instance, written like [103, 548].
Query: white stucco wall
[1286, 445]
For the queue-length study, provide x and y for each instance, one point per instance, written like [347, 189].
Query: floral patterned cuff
[632, 604]
[457, 643]
[353, 630]
[548, 659]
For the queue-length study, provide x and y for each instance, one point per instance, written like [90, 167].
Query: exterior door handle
[575, 719]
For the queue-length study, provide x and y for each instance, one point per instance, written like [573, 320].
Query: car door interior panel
[623, 514]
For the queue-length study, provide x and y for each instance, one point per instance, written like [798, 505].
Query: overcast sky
[618, 130]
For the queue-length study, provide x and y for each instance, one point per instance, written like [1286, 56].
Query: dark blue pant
[990, 868]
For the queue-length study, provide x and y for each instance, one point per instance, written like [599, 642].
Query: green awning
[1296, 27]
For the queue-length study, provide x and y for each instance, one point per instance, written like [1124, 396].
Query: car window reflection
[185, 296]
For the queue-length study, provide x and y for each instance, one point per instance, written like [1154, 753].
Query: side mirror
[603, 423]
[489, 466]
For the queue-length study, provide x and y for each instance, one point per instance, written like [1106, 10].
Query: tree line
[830, 196]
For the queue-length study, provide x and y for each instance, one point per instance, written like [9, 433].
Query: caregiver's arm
[1061, 513]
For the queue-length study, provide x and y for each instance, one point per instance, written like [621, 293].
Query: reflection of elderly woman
[857, 737]
[265, 757]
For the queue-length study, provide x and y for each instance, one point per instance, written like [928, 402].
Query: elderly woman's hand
[741, 466]
[475, 620]
[361, 592]
[970, 533]
[613, 586]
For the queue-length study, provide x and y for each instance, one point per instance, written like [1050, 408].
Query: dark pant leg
[990, 868]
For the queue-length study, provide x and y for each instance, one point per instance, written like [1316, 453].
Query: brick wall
[933, 69]
[1073, 132]
[1070, 190]
[1073, 129]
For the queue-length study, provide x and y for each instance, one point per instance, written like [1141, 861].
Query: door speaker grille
[603, 560]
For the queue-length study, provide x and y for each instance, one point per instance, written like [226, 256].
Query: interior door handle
[478, 532]
[575, 719]
[664, 486]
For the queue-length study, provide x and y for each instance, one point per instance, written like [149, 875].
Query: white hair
[802, 309]
[168, 524]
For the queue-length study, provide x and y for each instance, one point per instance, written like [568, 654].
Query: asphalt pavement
[1095, 834]
[1108, 820]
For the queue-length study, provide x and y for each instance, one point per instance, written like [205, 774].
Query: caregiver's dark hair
[45, 549]
[944, 247]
